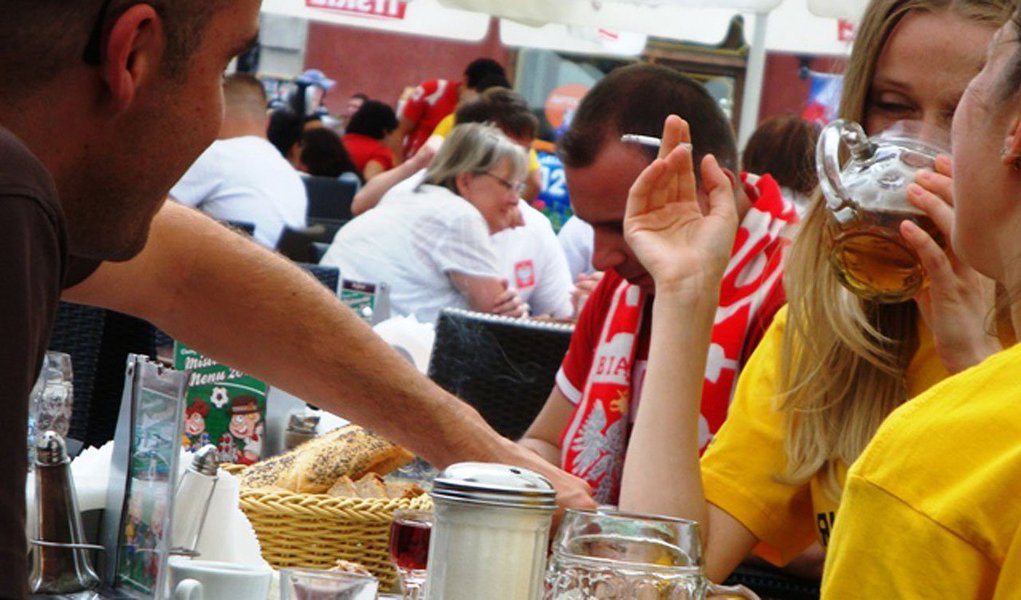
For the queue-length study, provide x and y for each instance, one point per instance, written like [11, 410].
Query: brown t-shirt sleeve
[30, 267]
[79, 269]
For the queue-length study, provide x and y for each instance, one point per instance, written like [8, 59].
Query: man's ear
[133, 53]
[1011, 154]
[735, 181]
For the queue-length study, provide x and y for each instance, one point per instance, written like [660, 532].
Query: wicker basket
[314, 530]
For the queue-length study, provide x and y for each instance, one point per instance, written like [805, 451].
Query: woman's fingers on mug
[937, 183]
[936, 207]
[944, 165]
[935, 261]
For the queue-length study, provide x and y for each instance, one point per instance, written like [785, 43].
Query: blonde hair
[474, 148]
[843, 359]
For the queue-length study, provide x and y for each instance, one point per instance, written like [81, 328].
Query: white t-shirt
[531, 259]
[534, 264]
[245, 179]
[577, 239]
[411, 240]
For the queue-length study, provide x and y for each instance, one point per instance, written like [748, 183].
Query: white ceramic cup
[221, 580]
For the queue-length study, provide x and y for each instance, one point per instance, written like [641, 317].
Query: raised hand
[959, 300]
[679, 239]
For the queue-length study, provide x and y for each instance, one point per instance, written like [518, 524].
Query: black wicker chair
[772, 584]
[503, 367]
[99, 342]
[329, 202]
[296, 244]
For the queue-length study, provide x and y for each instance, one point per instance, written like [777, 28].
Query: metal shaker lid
[50, 449]
[495, 485]
[205, 460]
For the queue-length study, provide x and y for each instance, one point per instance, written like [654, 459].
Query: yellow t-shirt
[443, 130]
[933, 506]
[741, 465]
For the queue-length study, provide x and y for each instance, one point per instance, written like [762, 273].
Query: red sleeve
[578, 361]
[417, 103]
[383, 156]
[774, 301]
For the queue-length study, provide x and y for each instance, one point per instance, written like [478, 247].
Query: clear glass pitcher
[867, 201]
[610, 554]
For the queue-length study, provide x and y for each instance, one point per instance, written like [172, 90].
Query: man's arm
[543, 435]
[252, 309]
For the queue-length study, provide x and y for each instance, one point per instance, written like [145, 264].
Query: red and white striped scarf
[595, 440]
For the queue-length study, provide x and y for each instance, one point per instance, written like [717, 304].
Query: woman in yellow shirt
[832, 366]
[932, 507]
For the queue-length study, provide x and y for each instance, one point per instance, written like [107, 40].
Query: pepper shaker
[60, 564]
[491, 527]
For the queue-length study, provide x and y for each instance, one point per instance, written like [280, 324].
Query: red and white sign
[845, 30]
[382, 9]
[524, 273]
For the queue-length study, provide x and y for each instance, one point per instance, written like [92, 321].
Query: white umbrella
[417, 17]
[653, 17]
[838, 9]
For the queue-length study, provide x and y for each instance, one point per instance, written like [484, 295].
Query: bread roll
[315, 466]
[349, 450]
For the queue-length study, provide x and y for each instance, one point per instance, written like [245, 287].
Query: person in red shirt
[435, 99]
[587, 420]
[365, 135]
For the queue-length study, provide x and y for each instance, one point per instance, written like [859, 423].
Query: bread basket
[314, 530]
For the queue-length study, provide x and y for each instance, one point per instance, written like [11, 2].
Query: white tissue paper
[409, 337]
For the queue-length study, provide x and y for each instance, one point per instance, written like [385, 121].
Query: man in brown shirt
[105, 105]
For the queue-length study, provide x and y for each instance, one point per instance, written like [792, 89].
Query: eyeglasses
[93, 48]
[517, 188]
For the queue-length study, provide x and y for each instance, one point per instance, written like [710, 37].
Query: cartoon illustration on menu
[247, 428]
[195, 434]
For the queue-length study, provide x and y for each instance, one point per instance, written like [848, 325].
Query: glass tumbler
[409, 548]
[609, 554]
[51, 401]
[311, 584]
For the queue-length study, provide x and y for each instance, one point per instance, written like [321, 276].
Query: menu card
[224, 406]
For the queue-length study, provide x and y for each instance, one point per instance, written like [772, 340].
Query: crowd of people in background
[718, 370]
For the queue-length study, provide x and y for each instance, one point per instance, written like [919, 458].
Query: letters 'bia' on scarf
[595, 440]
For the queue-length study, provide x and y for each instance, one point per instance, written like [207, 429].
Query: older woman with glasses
[431, 244]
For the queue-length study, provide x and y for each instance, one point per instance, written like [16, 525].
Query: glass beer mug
[867, 201]
[609, 554]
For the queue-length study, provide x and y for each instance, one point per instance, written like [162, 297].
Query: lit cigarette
[647, 140]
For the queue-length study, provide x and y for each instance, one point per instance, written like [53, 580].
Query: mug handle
[730, 591]
[188, 589]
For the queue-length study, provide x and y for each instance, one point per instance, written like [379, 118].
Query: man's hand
[583, 288]
[509, 303]
[572, 492]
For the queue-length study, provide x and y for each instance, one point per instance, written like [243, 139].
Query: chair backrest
[99, 342]
[503, 367]
[296, 244]
[329, 276]
[245, 227]
[771, 583]
[319, 250]
[329, 198]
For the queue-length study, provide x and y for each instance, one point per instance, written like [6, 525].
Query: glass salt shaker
[491, 527]
[191, 501]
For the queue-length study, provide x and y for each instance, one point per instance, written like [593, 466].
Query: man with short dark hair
[585, 422]
[120, 98]
[242, 177]
[433, 100]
